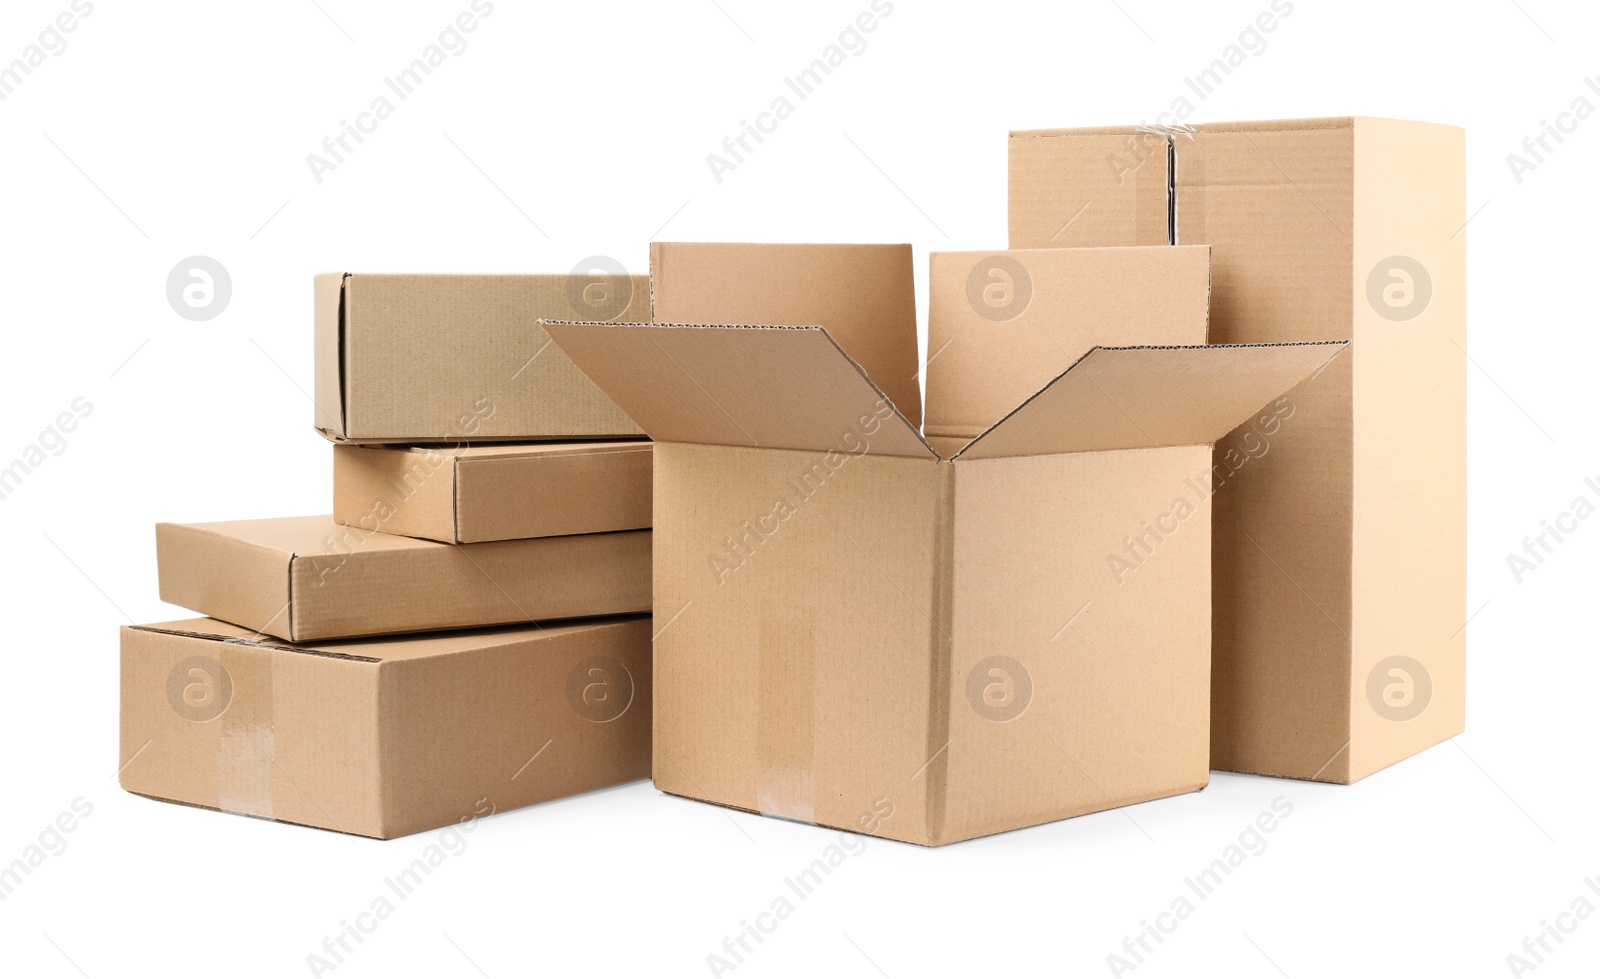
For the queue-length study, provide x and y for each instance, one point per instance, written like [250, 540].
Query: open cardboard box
[858, 630]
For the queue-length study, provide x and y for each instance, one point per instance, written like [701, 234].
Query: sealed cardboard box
[383, 737]
[1340, 538]
[864, 633]
[308, 578]
[468, 494]
[455, 358]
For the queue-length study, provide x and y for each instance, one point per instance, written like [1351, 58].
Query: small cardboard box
[469, 494]
[452, 358]
[1340, 538]
[308, 578]
[383, 737]
[855, 624]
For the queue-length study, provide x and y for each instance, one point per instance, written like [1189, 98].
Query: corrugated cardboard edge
[941, 640]
[1328, 122]
[233, 552]
[883, 398]
[328, 360]
[1091, 351]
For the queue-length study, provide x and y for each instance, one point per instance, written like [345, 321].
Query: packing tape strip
[246, 752]
[786, 718]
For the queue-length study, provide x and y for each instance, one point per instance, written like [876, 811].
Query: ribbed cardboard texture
[470, 494]
[308, 578]
[1003, 324]
[864, 294]
[859, 633]
[455, 358]
[383, 737]
[1340, 538]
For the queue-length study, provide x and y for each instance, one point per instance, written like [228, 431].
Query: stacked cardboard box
[323, 689]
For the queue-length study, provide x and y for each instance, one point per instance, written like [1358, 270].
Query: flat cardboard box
[1340, 543]
[469, 494]
[308, 578]
[383, 737]
[874, 319]
[1003, 324]
[864, 633]
[455, 358]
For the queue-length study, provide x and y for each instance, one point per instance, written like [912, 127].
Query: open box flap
[1145, 397]
[775, 387]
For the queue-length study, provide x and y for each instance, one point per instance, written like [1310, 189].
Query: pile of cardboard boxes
[1188, 493]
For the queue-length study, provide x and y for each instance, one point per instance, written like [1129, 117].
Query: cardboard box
[864, 294]
[308, 578]
[383, 737]
[468, 494]
[1340, 553]
[860, 632]
[1002, 325]
[453, 358]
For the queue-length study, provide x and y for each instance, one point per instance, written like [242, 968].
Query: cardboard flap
[775, 387]
[1145, 397]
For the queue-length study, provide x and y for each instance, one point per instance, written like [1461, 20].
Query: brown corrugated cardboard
[308, 578]
[384, 737]
[1340, 553]
[468, 494]
[1003, 324]
[863, 294]
[456, 358]
[859, 633]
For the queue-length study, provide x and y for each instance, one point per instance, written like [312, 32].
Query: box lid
[776, 387]
[1145, 397]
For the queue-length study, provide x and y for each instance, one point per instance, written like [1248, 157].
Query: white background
[567, 130]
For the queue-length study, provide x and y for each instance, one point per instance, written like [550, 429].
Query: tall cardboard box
[1340, 542]
[383, 737]
[864, 632]
[458, 358]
